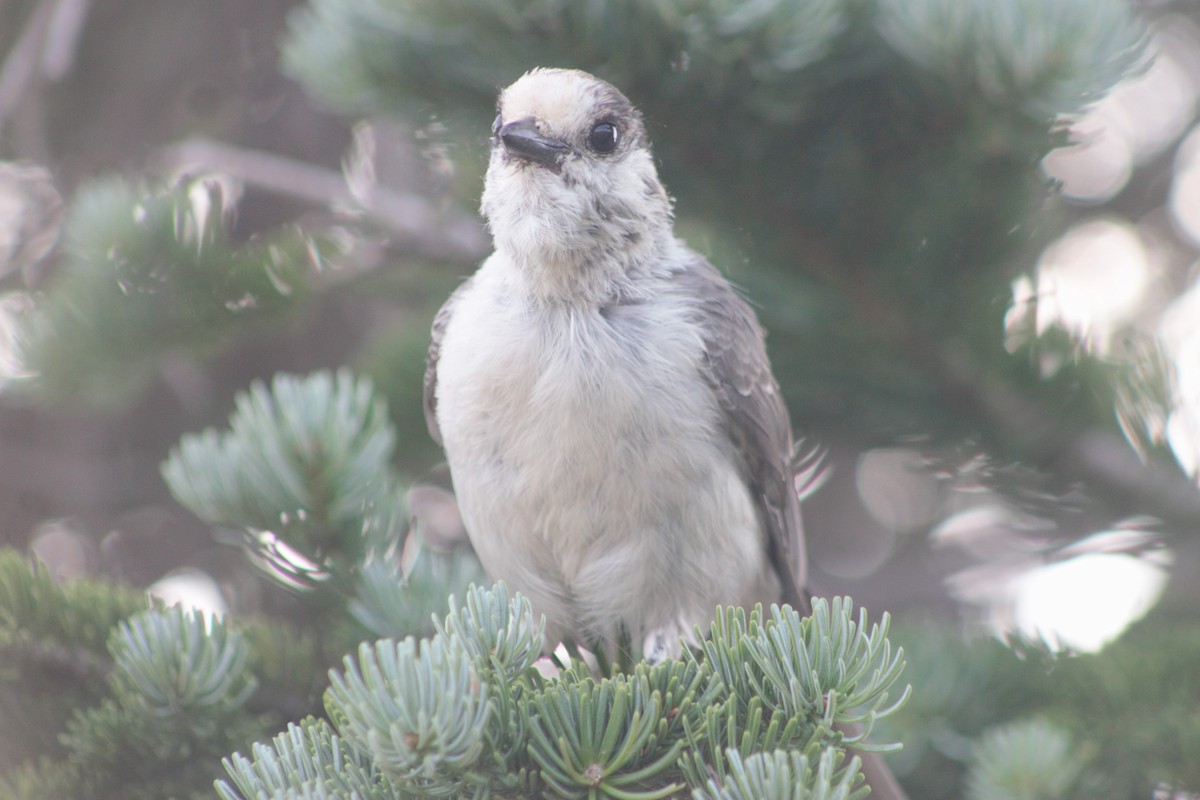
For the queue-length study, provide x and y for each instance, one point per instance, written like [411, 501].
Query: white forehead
[561, 99]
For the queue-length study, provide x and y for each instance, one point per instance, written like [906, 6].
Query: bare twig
[413, 220]
[1099, 459]
[20, 68]
[62, 38]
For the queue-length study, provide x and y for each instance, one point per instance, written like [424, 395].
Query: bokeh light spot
[1083, 603]
[1092, 279]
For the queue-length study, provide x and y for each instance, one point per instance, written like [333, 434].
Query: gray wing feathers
[431, 361]
[756, 416]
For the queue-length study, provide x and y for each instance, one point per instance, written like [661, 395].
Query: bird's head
[571, 177]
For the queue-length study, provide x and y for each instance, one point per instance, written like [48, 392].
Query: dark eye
[496, 127]
[603, 138]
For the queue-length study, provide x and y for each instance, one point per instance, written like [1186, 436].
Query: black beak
[521, 138]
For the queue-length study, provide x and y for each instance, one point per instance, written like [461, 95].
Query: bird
[619, 447]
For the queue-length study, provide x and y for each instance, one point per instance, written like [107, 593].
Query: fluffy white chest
[590, 463]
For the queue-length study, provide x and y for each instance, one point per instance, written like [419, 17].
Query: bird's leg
[624, 652]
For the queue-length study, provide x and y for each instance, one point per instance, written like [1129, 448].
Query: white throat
[577, 238]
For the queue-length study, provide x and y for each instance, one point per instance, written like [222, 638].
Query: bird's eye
[496, 127]
[603, 138]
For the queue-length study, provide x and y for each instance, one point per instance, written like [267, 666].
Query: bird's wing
[756, 417]
[440, 321]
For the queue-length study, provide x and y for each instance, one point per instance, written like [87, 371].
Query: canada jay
[619, 447]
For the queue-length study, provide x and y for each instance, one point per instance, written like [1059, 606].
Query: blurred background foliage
[970, 226]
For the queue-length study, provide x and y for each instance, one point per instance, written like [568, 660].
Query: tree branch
[1117, 478]
[413, 220]
[20, 67]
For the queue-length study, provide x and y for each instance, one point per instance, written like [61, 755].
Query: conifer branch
[303, 472]
[466, 713]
